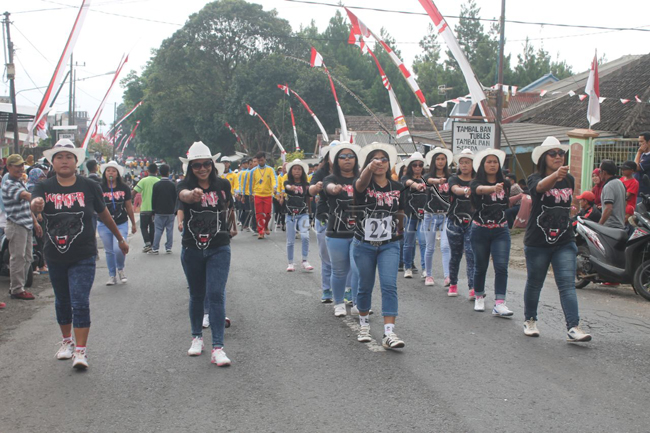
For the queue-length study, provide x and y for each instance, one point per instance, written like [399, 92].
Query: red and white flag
[593, 90]
[637, 99]
[250, 110]
[126, 116]
[92, 127]
[311, 113]
[50, 94]
[583, 97]
[254, 114]
[126, 143]
[317, 61]
[295, 131]
[624, 101]
[475, 88]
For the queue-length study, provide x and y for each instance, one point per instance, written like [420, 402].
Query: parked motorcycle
[4, 263]
[610, 255]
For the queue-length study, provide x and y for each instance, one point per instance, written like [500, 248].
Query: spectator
[91, 165]
[145, 188]
[516, 194]
[587, 208]
[629, 213]
[612, 197]
[20, 222]
[631, 184]
[597, 188]
[642, 160]
[522, 184]
[163, 204]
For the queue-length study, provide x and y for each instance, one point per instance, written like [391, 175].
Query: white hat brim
[429, 156]
[541, 149]
[339, 147]
[77, 151]
[115, 165]
[293, 163]
[461, 155]
[480, 156]
[389, 149]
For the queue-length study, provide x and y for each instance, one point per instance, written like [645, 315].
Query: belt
[377, 244]
[491, 226]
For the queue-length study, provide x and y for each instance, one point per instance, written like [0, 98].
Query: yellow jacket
[262, 181]
[233, 178]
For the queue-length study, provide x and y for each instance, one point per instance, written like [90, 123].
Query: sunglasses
[344, 156]
[416, 165]
[198, 165]
[382, 160]
[554, 153]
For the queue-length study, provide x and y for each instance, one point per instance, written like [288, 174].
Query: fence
[618, 150]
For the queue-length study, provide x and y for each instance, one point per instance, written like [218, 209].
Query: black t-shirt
[460, 211]
[297, 200]
[414, 201]
[378, 220]
[491, 208]
[342, 219]
[68, 218]
[115, 202]
[205, 224]
[592, 214]
[437, 196]
[322, 207]
[549, 223]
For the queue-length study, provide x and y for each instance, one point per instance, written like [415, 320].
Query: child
[631, 184]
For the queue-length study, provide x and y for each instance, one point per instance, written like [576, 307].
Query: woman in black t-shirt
[415, 199]
[490, 193]
[550, 239]
[298, 207]
[377, 235]
[208, 224]
[117, 198]
[459, 222]
[68, 203]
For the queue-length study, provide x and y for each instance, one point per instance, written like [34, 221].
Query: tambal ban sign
[472, 136]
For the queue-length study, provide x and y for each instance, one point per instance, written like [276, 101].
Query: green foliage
[291, 156]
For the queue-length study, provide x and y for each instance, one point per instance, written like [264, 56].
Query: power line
[30, 43]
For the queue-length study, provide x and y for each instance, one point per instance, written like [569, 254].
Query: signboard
[66, 135]
[472, 136]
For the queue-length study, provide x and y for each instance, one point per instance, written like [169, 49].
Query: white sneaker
[364, 334]
[66, 350]
[392, 341]
[291, 267]
[122, 276]
[306, 266]
[428, 281]
[408, 273]
[530, 328]
[479, 303]
[219, 357]
[502, 310]
[340, 310]
[206, 320]
[80, 360]
[354, 311]
[111, 281]
[424, 276]
[577, 335]
[197, 347]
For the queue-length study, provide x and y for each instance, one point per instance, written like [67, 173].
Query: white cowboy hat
[221, 168]
[290, 165]
[198, 150]
[417, 156]
[65, 145]
[337, 148]
[548, 144]
[115, 165]
[436, 150]
[389, 149]
[225, 159]
[325, 149]
[466, 153]
[481, 155]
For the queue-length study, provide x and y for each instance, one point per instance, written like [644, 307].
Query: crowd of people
[368, 210]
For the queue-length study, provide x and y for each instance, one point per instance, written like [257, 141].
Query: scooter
[610, 255]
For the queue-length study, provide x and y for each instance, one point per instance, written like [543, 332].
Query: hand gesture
[196, 195]
[38, 204]
[498, 188]
[336, 189]
[233, 231]
[319, 186]
[374, 165]
[468, 191]
[289, 188]
[562, 172]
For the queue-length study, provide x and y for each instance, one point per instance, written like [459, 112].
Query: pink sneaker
[291, 267]
[447, 282]
[428, 281]
[472, 296]
[453, 291]
[306, 266]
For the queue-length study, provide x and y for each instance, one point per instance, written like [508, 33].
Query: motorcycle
[4, 263]
[609, 255]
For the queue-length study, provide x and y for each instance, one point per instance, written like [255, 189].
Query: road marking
[353, 324]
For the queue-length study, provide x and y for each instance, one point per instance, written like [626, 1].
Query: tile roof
[367, 123]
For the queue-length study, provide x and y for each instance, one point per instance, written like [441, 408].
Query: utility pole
[71, 95]
[502, 42]
[11, 74]
[114, 121]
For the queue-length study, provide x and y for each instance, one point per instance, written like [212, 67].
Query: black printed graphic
[461, 211]
[63, 228]
[554, 222]
[296, 204]
[203, 226]
[416, 203]
[345, 219]
[492, 214]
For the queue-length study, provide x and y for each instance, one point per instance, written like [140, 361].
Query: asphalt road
[297, 368]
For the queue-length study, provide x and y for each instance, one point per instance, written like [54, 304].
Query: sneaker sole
[326, 301]
[531, 335]
[364, 339]
[582, 340]
[502, 315]
[396, 346]
[224, 364]
[480, 310]
[452, 295]
[194, 354]
[80, 366]
[340, 315]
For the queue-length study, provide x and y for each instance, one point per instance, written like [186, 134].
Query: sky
[113, 27]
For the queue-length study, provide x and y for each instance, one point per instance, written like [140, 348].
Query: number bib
[378, 229]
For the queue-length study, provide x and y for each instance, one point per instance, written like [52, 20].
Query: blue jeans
[344, 269]
[563, 259]
[301, 222]
[459, 241]
[494, 242]
[72, 283]
[434, 223]
[207, 274]
[385, 260]
[326, 265]
[114, 257]
[414, 227]
[163, 222]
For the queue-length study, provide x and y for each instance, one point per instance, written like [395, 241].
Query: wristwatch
[122, 241]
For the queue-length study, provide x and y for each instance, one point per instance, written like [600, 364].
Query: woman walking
[117, 198]
[415, 199]
[376, 238]
[208, 224]
[298, 206]
[436, 209]
[550, 239]
[490, 234]
[339, 188]
[459, 222]
[68, 203]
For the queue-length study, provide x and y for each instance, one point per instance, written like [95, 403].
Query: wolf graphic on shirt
[417, 202]
[461, 211]
[204, 226]
[115, 204]
[63, 228]
[296, 204]
[492, 214]
[554, 222]
[344, 217]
